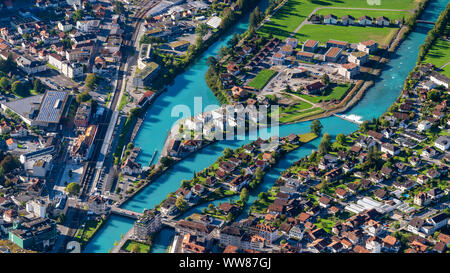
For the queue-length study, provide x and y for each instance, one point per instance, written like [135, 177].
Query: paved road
[445, 65]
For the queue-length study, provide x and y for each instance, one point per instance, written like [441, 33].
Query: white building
[65, 26]
[37, 207]
[442, 143]
[424, 125]
[439, 79]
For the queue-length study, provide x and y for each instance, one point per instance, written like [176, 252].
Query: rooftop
[52, 106]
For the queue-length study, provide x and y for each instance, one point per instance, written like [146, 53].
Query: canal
[192, 84]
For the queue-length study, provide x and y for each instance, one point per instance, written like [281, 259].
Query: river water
[191, 83]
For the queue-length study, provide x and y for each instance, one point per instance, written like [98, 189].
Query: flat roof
[52, 106]
[149, 68]
[25, 106]
[214, 22]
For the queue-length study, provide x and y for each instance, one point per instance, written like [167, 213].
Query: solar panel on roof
[51, 109]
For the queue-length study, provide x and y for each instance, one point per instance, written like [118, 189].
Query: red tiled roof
[311, 43]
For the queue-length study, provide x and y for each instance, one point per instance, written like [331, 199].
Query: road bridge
[125, 213]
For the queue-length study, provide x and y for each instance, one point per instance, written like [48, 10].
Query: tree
[8, 164]
[73, 188]
[77, 15]
[244, 195]
[4, 83]
[165, 161]
[325, 79]
[119, 8]
[83, 97]
[259, 174]
[316, 127]
[262, 195]
[135, 249]
[325, 144]
[91, 81]
[340, 139]
[20, 89]
[202, 29]
[181, 203]
[38, 86]
[227, 152]
[234, 40]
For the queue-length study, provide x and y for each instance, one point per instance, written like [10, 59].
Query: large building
[349, 70]
[26, 108]
[52, 108]
[38, 234]
[81, 118]
[149, 222]
[84, 145]
[333, 54]
[144, 76]
[30, 66]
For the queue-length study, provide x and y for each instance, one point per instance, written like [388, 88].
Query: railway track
[89, 167]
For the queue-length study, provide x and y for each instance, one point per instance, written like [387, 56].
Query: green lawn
[336, 93]
[295, 116]
[86, 233]
[392, 15]
[289, 17]
[123, 101]
[128, 246]
[262, 78]
[301, 105]
[439, 54]
[351, 34]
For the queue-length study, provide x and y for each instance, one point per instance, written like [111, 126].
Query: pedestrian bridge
[425, 22]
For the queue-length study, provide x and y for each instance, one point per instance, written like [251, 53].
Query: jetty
[153, 157]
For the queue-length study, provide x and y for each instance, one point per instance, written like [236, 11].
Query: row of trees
[440, 28]
[19, 88]
[256, 17]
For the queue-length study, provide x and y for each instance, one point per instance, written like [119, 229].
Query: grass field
[86, 233]
[294, 12]
[392, 15]
[439, 55]
[128, 246]
[337, 93]
[262, 79]
[295, 116]
[351, 34]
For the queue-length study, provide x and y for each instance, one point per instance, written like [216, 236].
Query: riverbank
[373, 104]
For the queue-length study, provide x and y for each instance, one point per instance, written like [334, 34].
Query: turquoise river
[191, 84]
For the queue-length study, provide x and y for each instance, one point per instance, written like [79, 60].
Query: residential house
[365, 21]
[349, 70]
[382, 21]
[310, 46]
[347, 20]
[330, 19]
[369, 46]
